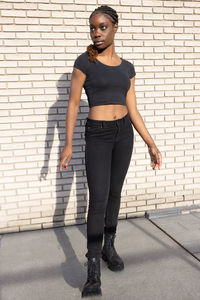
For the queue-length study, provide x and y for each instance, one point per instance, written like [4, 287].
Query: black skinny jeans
[109, 146]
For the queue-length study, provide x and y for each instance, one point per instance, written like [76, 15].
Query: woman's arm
[77, 82]
[139, 125]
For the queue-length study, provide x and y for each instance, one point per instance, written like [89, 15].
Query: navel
[114, 117]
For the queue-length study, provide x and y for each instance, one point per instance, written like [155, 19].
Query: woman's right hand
[66, 154]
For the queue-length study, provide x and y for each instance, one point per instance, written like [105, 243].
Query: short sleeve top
[105, 84]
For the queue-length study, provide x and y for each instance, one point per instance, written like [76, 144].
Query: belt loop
[102, 124]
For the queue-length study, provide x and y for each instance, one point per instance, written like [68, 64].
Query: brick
[6, 5]
[14, 28]
[12, 13]
[30, 227]
[153, 16]
[127, 210]
[146, 207]
[155, 201]
[38, 14]
[130, 2]
[142, 9]
[173, 3]
[164, 205]
[8, 206]
[18, 222]
[135, 203]
[183, 10]
[30, 215]
[184, 203]
[9, 229]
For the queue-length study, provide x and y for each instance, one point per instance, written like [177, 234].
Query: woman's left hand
[156, 158]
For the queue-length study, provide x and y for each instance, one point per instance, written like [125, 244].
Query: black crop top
[105, 84]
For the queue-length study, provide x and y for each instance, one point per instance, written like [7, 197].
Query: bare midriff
[107, 112]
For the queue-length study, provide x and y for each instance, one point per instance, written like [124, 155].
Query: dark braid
[113, 16]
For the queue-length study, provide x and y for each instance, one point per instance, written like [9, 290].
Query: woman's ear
[115, 27]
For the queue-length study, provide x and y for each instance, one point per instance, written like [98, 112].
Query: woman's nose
[97, 33]
[97, 36]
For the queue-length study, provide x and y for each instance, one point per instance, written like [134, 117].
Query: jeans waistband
[114, 123]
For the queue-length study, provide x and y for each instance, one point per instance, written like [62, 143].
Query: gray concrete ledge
[160, 213]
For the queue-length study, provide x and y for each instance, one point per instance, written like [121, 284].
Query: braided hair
[112, 15]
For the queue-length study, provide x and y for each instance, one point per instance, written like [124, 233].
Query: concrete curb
[159, 213]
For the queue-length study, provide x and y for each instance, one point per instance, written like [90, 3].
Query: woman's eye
[102, 28]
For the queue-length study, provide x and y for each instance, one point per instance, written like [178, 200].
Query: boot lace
[109, 244]
[93, 270]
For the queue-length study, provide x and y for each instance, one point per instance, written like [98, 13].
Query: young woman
[109, 82]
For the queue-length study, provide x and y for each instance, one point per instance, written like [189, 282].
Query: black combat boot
[109, 254]
[93, 283]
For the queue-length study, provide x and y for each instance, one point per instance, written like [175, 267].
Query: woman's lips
[98, 42]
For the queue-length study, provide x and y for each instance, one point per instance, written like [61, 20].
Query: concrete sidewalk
[50, 264]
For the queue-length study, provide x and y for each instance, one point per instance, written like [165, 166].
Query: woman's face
[102, 31]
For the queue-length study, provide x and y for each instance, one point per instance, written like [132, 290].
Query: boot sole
[92, 293]
[111, 267]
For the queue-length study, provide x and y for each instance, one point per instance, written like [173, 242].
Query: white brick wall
[39, 41]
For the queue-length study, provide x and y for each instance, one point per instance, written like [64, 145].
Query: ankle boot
[109, 254]
[93, 283]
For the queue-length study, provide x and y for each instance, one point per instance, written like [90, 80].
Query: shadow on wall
[64, 180]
